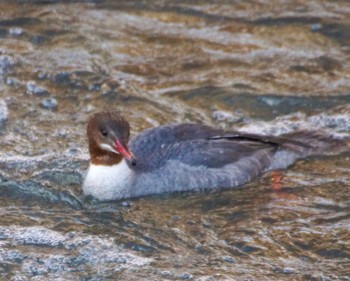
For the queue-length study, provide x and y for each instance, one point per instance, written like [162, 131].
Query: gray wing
[195, 145]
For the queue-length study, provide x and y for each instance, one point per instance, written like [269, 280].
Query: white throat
[109, 182]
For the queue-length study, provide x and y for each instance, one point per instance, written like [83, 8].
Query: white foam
[75, 249]
[3, 111]
[336, 124]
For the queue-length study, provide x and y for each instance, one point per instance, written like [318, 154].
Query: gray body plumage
[190, 157]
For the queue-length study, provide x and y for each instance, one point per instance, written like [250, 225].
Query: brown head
[108, 134]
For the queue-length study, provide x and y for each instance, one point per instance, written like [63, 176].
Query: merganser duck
[180, 157]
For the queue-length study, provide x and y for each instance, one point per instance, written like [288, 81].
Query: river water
[261, 66]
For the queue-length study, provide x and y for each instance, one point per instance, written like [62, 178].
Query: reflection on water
[260, 66]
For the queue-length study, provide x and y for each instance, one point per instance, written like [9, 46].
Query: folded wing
[196, 145]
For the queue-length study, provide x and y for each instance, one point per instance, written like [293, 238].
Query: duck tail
[315, 143]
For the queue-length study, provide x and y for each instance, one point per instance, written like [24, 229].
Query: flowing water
[260, 66]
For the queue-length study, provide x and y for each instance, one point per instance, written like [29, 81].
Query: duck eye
[104, 132]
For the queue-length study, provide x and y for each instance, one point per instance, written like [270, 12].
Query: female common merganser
[179, 157]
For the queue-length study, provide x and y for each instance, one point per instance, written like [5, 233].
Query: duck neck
[99, 156]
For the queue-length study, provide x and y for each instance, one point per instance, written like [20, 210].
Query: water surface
[261, 66]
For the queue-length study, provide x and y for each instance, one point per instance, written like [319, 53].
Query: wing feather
[196, 145]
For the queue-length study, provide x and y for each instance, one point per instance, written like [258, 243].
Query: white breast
[109, 182]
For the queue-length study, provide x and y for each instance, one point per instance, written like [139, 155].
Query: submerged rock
[6, 62]
[34, 89]
[11, 81]
[229, 259]
[49, 103]
[3, 111]
[62, 78]
[3, 115]
[185, 276]
[16, 31]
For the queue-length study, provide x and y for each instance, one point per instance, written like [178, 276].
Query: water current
[260, 66]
